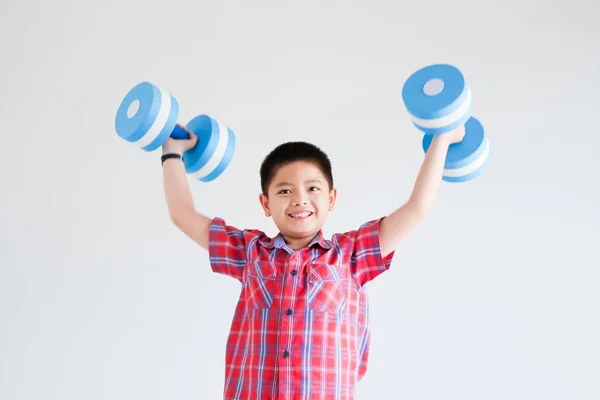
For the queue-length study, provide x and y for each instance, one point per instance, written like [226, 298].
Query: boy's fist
[455, 135]
[180, 146]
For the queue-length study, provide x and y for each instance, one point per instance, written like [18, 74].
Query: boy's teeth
[301, 215]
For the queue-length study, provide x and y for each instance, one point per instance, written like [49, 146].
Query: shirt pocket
[259, 284]
[327, 289]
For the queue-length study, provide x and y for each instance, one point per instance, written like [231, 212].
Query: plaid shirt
[301, 326]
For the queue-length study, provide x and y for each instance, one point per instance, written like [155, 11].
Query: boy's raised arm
[178, 195]
[397, 225]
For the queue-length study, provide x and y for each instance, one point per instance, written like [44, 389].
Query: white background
[494, 296]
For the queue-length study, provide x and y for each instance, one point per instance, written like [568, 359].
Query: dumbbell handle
[179, 133]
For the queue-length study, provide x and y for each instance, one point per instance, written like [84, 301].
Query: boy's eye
[288, 191]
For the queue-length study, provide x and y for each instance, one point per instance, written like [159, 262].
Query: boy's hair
[290, 152]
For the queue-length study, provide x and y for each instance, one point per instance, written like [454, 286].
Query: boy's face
[299, 200]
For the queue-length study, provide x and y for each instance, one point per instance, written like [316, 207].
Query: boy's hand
[453, 136]
[180, 146]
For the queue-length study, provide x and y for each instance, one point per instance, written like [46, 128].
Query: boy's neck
[299, 243]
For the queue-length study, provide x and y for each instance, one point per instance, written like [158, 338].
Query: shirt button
[294, 272]
[288, 311]
[286, 354]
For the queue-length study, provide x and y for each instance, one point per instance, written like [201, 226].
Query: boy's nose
[299, 200]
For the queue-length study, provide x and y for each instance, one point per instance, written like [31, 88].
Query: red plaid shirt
[301, 326]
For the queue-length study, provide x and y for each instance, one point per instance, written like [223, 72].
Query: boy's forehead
[303, 169]
[298, 171]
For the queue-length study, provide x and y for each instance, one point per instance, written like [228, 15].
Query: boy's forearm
[396, 226]
[177, 191]
[430, 175]
[181, 204]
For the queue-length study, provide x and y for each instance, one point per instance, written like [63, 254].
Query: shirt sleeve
[366, 261]
[227, 249]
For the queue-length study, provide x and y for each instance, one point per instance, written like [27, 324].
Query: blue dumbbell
[148, 116]
[439, 100]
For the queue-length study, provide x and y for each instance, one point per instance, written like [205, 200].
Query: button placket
[287, 323]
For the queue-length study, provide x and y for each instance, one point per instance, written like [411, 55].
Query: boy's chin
[300, 228]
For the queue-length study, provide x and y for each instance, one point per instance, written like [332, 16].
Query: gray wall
[494, 296]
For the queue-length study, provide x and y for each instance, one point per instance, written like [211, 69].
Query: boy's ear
[332, 198]
[264, 202]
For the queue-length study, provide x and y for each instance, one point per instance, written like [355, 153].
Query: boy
[301, 328]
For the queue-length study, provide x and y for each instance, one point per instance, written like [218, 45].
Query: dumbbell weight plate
[213, 151]
[467, 159]
[147, 116]
[438, 98]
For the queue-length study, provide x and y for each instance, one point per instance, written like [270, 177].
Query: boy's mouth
[301, 215]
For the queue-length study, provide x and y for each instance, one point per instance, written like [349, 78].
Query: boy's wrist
[169, 150]
[442, 140]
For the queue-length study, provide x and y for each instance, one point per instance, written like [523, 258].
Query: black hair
[291, 152]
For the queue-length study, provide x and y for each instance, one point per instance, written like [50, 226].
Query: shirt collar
[278, 241]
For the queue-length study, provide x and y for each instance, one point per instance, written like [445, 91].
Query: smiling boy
[301, 325]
